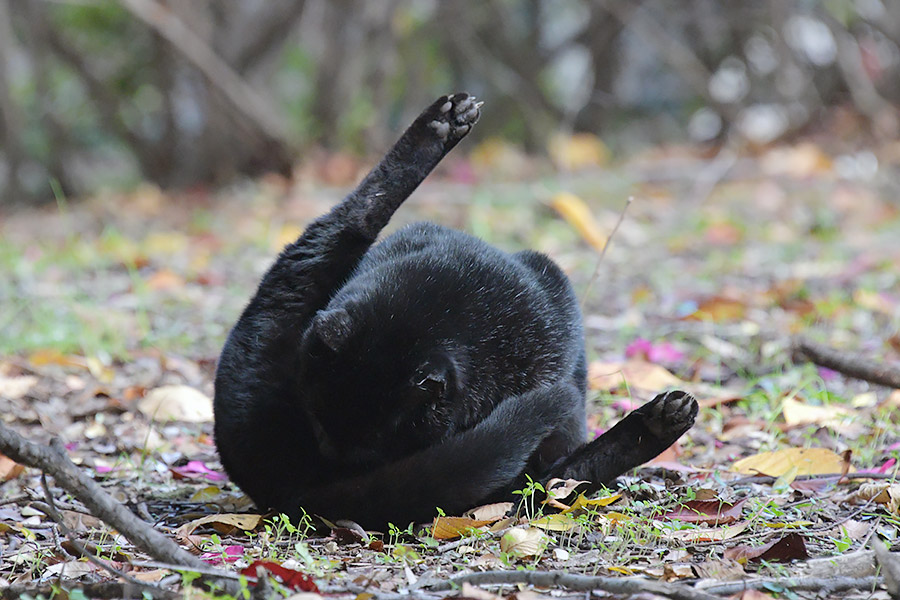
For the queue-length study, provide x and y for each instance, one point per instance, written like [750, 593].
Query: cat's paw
[669, 415]
[452, 117]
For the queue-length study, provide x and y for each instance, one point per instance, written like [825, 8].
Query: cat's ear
[334, 327]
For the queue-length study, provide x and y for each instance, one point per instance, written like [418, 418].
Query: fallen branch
[240, 95]
[853, 365]
[104, 589]
[580, 583]
[890, 568]
[53, 513]
[53, 460]
[825, 585]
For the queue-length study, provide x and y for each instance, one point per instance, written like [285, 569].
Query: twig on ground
[614, 585]
[851, 364]
[464, 540]
[54, 461]
[596, 273]
[890, 567]
[53, 513]
[102, 590]
[798, 584]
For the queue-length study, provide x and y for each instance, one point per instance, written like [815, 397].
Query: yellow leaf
[165, 242]
[808, 461]
[577, 151]
[874, 301]
[799, 413]
[791, 525]
[41, 358]
[583, 503]
[448, 528]
[574, 210]
[496, 154]
[555, 522]
[523, 542]
[607, 376]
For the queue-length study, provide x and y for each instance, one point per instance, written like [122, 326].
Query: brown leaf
[790, 547]
[718, 309]
[225, 523]
[711, 512]
[9, 469]
[490, 512]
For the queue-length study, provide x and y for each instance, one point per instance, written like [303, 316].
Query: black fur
[430, 370]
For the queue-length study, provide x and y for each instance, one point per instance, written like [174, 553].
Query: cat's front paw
[452, 117]
[669, 415]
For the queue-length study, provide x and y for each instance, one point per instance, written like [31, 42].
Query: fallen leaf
[881, 492]
[490, 512]
[676, 571]
[807, 461]
[294, 580]
[577, 213]
[226, 523]
[796, 412]
[608, 376]
[195, 469]
[801, 161]
[705, 534]
[718, 309]
[13, 388]
[555, 522]
[176, 403]
[711, 512]
[790, 547]
[449, 528]
[165, 279]
[476, 593]
[521, 542]
[721, 570]
[41, 358]
[657, 352]
[583, 503]
[578, 151]
[560, 489]
[9, 469]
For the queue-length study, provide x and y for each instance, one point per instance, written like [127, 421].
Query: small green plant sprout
[527, 493]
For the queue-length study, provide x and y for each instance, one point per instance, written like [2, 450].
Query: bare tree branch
[242, 98]
[848, 363]
[52, 459]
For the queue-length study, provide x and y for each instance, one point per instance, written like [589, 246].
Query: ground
[721, 261]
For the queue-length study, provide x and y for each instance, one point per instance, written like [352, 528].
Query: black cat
[377, 383]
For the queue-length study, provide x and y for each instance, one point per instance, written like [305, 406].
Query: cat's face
[377, 391]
